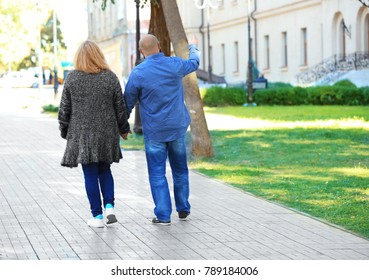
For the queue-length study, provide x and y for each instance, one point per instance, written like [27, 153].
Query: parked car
[23, 78]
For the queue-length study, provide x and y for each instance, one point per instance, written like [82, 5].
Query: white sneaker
[95, 222]
[110, 216]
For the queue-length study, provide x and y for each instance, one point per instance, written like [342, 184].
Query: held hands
[125, 135]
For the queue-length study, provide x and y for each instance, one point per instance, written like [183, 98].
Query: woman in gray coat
[92, 115]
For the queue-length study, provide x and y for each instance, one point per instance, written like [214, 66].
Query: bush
[279, 85]
[345, 83]
[342, 94]
[50, 108]
[218, 96]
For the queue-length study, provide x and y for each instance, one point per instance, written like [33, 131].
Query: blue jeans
[98, 178]
[156, 157]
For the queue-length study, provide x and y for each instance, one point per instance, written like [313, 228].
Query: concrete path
[43, 210]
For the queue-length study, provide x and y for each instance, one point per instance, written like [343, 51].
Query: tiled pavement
[43, 209]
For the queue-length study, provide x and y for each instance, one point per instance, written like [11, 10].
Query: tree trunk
[201, 142]
[158, 27]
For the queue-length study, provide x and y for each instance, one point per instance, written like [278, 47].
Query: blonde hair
[89, 58]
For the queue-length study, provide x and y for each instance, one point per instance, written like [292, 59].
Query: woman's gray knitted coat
[92, 114]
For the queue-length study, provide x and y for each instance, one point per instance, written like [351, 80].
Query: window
[211, 57]
[91, 27]
[303, 46]
[223, 59]
[284, 50]
[236, 57]
[120, 9]
[267, 52]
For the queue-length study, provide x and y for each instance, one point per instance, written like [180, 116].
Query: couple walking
[94, 113]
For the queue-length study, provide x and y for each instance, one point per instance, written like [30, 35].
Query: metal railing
[333, 67]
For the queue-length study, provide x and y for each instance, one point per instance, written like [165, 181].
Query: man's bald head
[149, 45]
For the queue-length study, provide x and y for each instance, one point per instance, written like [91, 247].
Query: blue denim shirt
[157, 84]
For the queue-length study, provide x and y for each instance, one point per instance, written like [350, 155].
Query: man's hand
[125, 135]
[192, 40]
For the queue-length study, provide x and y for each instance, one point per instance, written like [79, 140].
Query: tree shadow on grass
[322, 172]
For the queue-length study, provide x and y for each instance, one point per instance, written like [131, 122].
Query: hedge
[342, 93]
[218, 96]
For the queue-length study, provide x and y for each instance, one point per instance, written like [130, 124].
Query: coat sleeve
[120, 110]
[64, 113]
[131, 93]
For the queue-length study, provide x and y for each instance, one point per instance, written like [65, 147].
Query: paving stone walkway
[43, 210]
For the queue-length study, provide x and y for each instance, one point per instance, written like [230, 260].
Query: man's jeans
[156, 156]
[98, 177]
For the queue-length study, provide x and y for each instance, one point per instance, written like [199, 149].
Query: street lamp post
[39, 50]
[137, 126]
[55, 40]
[207, 4]
[249, 64]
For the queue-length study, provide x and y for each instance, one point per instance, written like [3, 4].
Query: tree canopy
[19, 28]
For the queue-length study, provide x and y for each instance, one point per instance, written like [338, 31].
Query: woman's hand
[125, 135]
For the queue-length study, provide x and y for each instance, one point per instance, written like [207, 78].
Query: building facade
[114, 29]
[289, 40]
[287, 37]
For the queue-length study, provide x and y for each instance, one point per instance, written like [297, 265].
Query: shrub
[218, 96]
[341, 94]
[319, 95]
[278, 85]
[345, 83]
[50, 108]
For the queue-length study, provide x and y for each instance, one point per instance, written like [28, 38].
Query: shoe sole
[95, 225]
[162, 224]
[111, 219]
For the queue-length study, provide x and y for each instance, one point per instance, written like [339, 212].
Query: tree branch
[364, 2]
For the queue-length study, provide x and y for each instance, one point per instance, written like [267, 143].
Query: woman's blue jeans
[156, 156]
[98, 178]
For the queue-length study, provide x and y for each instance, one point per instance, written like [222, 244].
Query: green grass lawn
[294, 113]
[320, 169]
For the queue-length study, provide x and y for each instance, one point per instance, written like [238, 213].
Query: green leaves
[103, 3]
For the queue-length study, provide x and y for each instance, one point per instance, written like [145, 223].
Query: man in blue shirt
[157, 84]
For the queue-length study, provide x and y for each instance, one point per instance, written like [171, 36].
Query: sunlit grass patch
[313, 159]
[354, 172]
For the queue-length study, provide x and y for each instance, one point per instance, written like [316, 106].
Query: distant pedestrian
[92, 115]
[50, 78]
[157, 84]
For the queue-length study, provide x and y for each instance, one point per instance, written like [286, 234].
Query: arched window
[362, 33]
[342, 38]
[366, 33]
[338, 31]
